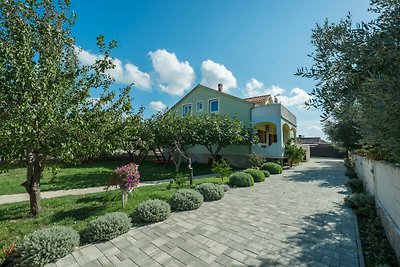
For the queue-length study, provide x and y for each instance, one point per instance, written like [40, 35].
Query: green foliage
[180, 181]
[45, 246]
[222, 168]
[46, 109]
[272, 168]
[294, 154]
[256, 160]
[107, 227]
[153, 210]
[356, 185]
[258, 176]
[211, 191]
[241, 179]
[266, 173]
[360, 200]
[186, 199]
[357, 75]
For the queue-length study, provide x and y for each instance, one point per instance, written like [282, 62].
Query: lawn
[74, 211]
[90, 174]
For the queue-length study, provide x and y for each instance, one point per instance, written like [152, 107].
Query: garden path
[4, 199]
[297, 218]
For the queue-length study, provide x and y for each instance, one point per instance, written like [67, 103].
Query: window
[214, 105]
[199, 106]
[187, 109]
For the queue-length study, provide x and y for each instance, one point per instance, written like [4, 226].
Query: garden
[76, 220]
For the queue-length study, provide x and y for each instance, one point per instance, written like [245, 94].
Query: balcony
[273, 113]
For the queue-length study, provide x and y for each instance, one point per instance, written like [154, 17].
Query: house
[275, 124]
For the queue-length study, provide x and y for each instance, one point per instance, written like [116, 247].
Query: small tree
[45, 105]
[294, 154]
[215, 132]
[222, 168]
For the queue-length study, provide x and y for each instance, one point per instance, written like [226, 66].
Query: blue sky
[252, 47]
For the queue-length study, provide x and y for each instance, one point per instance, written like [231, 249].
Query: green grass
[74, 211]
[90, 174]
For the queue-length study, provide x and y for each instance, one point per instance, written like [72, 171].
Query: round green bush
[45, 246]
[266, 173]
[153, 210]
[257, 175]
[107, 227]
[272, 168]
[211, 191]
[241, 179]
[186, 199]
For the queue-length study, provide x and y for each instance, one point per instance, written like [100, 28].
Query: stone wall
[382, 180]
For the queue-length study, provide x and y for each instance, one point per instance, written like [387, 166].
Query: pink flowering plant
[127, 177]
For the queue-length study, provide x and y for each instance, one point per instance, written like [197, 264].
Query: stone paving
[294, 219]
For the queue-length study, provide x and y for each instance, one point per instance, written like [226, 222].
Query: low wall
[382, 180]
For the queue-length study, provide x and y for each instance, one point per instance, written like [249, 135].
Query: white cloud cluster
[122, 73]
[158, 105]
[297, 97]
[256, 88]
[174, 77]
[214, 73]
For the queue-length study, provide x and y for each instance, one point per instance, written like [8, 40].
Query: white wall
[382, 180]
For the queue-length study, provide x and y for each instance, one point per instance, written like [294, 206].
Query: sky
[253, 47]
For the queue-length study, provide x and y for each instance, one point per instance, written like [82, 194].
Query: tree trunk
[32, 183]
[190, 171]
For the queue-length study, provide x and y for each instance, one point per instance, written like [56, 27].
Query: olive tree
[45, 106]
[357, 71]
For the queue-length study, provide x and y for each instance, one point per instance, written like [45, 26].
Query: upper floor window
[214, 105]
[199, 106]
[187, 109]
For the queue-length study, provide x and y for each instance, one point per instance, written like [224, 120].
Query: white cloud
[256, 88]
[122, 73]
[297, 97]
[158, 105]
[315, 127]
[214, 73]
[174, 77]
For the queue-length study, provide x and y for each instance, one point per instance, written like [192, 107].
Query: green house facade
[274, 123]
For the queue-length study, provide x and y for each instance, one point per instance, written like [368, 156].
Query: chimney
[220, 87]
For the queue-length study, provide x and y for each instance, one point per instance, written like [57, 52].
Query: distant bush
[359, 200]
[257, 175]
[107, 227]
[241, 179]
[179, 181]
[45, 246]
[153, 210]
[266, 173]
[186, 199]
[272, 168]
[356, 185]
[210, 191]
[256, 160]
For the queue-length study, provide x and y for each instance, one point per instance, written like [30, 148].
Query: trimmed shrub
[186, 199]
[257, 175]
[107, 227]
[45, 246]
[153, 210]
[210, 191]
[266, 173]
[272, 168]
[226, 187]
[241, 179]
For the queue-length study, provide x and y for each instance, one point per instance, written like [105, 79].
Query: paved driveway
[294, 219]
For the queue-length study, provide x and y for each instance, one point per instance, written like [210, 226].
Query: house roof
[256, 99]
[213, 90]
[311, 140]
